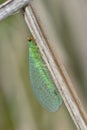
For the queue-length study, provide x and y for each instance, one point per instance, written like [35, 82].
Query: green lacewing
[42, 84]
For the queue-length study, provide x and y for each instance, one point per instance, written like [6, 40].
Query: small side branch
[10, 7]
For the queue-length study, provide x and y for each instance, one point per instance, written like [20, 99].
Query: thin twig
[11, 6]
[58, 72]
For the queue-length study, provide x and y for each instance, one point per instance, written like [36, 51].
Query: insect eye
[30, 38]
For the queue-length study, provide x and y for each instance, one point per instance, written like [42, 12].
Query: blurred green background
[19, 109]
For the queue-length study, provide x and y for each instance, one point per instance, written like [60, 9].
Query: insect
[42, 84]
